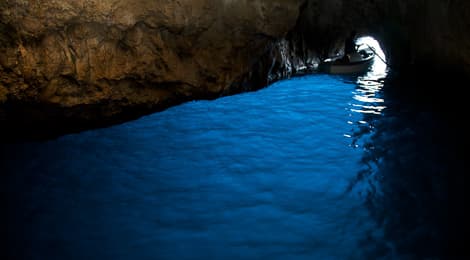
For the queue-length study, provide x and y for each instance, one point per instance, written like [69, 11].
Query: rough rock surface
[73, 64]
[89, 60]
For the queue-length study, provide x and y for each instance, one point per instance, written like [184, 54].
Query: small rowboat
[357, 62]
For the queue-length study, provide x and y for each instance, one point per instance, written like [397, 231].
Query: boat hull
[349, 68]
[340, 67]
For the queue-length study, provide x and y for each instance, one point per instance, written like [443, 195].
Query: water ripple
[258, 174]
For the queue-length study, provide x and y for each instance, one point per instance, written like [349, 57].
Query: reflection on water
[411, 158]
[408, 162]
[316, 167]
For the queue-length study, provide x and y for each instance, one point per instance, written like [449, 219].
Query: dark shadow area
[416, 153]
[25, 122]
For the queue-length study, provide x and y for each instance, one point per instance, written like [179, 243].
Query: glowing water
[316, 167]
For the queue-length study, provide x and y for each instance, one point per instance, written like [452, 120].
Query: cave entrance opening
[380, 65]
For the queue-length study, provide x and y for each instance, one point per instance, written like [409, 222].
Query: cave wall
[96, 62]
[421, 32]
[82, 52]
[89, 61]
[429, 33]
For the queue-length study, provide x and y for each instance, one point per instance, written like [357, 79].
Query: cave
[83, 68]
[87, 64]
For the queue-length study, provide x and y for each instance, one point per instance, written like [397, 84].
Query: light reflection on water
[412, 160]
[367, 97]
[369, 85]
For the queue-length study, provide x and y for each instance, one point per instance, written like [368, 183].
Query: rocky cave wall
[85, 63]
[425, 33]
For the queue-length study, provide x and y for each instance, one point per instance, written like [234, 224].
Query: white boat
[357, 62]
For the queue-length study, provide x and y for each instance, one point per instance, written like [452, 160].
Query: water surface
[303, 169]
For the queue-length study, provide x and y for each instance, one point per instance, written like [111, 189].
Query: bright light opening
[379, 67]
[368, 91]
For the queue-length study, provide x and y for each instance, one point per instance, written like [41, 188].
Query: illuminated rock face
[90, 62]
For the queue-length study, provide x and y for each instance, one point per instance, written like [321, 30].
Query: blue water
[293, 171]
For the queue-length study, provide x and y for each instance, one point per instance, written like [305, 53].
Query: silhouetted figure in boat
[349, 46]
